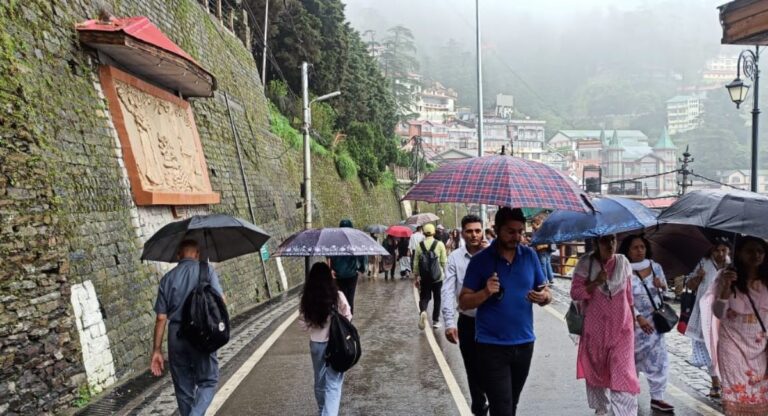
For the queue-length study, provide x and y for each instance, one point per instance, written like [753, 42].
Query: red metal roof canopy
[140, 47]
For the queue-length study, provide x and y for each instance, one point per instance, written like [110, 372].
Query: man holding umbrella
[194, 373]
[346, 270]
[502, 282]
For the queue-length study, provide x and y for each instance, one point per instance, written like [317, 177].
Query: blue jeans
[194, 374]
[328, 381]
[545, 257]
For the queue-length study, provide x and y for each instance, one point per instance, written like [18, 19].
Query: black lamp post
[737, 89]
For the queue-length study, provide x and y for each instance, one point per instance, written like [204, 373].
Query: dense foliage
[360, 123]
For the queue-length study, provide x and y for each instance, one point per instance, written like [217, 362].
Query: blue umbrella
[329, 242]
[612, 215]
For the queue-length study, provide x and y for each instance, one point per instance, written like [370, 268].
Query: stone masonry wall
[70, 235]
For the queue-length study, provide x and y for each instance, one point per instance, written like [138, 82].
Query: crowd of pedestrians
[484, 283]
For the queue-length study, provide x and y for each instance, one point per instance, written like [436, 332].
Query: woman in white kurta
[702, 325]
[648, 284]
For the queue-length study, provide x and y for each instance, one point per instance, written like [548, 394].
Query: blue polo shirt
[508, 321]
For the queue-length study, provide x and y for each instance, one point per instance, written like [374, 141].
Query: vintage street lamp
[737, 89]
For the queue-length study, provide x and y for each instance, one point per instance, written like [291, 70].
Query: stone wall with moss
[68, 225]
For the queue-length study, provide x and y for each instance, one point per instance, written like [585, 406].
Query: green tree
[398, 61]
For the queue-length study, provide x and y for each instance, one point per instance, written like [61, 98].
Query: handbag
[664, 317]
[687, 301]
[574, 318]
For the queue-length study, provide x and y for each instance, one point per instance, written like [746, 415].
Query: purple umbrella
[329, 242]
[503, 181]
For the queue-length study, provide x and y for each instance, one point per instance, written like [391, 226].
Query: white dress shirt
[455, 270]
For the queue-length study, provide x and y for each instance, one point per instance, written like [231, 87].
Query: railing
[564, 264]
[232, 17]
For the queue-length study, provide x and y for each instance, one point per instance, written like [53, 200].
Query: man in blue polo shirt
[502, 282]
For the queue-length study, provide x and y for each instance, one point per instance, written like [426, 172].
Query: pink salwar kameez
[741, 351]
[606, 357]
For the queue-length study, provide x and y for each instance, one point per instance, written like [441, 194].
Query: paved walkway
[400, 374]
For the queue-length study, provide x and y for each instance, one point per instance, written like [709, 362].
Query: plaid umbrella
[501, 180]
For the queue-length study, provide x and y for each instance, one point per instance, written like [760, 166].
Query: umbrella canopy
[612, 215]
[739, 212]
[220, 236]
[399, 231]
[376, 228]
[421, 219]
[501, 180]
[329, 242]
[678, 248]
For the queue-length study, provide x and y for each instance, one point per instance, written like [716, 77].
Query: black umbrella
[342, 241]
[677, 248]
[376, 228]
[738, 212]
[220, 236]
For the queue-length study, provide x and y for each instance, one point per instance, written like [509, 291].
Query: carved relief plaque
[161, 147]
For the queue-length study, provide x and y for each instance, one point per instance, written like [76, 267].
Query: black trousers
[427, 291]
[347, 287]
[469, 354]
[505, 369]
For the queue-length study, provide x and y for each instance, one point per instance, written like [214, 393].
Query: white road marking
[229, 387]
[453, 386]
[686, 399]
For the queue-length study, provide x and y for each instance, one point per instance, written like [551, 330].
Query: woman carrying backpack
[320, 296]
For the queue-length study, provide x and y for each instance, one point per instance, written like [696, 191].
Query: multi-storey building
[684, 112]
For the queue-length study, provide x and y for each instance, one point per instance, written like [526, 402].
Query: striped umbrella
[501, 180]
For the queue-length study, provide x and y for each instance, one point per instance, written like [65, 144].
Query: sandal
[715, 392]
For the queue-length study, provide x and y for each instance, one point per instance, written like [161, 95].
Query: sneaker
[662, 406]
[436, 324]
[422, 320]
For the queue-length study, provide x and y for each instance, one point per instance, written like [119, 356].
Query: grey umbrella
[738, 212]
[421, 219]
[220, 236]
[329, 242]
[376, 228]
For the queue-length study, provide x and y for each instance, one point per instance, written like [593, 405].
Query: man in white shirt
[414, 241]
[463, 331]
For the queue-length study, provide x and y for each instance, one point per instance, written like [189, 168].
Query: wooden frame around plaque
[160, 143]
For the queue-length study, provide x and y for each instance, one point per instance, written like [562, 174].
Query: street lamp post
[737, 89]
[307, 113]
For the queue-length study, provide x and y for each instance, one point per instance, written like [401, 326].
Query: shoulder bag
[574, 318]
[664, 317]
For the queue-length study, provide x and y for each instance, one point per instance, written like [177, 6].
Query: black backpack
[204, 316]
[343, 349]
[429, 266]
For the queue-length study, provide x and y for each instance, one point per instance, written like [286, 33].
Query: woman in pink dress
[602, 281]
[742, 306]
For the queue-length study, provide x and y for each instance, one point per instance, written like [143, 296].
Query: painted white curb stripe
[229, 387]
[686, 399]
[453, 386]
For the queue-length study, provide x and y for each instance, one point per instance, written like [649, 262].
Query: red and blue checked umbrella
[501, 180]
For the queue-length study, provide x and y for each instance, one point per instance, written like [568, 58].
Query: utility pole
[264, 52]
[684, 171]
[417, 159]
[307, 114]
[480, 149]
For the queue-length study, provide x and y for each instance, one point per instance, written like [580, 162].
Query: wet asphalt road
[398, 373]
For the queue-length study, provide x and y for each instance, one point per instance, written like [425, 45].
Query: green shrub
[346, 167]
[388, 180]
